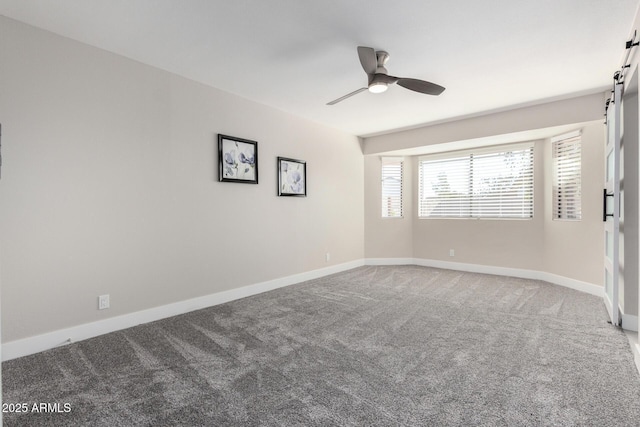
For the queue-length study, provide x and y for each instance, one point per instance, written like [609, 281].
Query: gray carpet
[387, 346]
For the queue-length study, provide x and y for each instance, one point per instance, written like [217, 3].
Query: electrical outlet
[452, 252]
[328, 257]
[103, 302]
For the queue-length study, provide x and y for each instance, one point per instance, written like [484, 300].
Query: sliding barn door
[611, 208]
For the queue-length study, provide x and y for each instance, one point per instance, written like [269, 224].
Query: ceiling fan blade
[368, 59]
[342, 98]
[420, 86]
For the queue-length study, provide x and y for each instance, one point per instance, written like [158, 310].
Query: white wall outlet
[452, 252]
[103, 302]
[328, 257]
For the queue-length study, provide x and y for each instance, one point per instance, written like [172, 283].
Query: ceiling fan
[373, 64]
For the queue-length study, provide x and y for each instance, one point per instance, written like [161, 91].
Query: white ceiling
[296, 55]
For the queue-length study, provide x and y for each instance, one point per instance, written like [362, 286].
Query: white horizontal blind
[494, 183]
[503, 184]
[445, 187]
[567, 177]
[392, 187]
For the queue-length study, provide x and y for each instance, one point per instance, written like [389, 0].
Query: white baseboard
[390, 261]
[578, 285]
[567, 282]
[629, 322]
[38, 343]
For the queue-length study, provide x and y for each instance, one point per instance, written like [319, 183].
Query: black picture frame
[292, 177]
[237, 160]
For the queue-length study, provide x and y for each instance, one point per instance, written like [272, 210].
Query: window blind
[392, 187]
[489, 183]
[567, 177]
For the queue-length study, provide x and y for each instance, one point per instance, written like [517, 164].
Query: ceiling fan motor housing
[382, 57]
[380, 77]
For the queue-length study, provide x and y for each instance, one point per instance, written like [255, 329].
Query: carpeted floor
[387, 346]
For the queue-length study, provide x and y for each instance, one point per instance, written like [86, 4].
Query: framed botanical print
[292, 177]
[237, 160]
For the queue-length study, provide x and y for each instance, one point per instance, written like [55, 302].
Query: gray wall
[109, 186]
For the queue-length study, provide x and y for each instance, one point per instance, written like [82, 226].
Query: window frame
[473, 198]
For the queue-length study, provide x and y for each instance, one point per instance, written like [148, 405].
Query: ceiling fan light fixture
[378, 87]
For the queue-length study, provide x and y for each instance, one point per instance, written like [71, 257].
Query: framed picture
[292, 177]
[237, 160]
